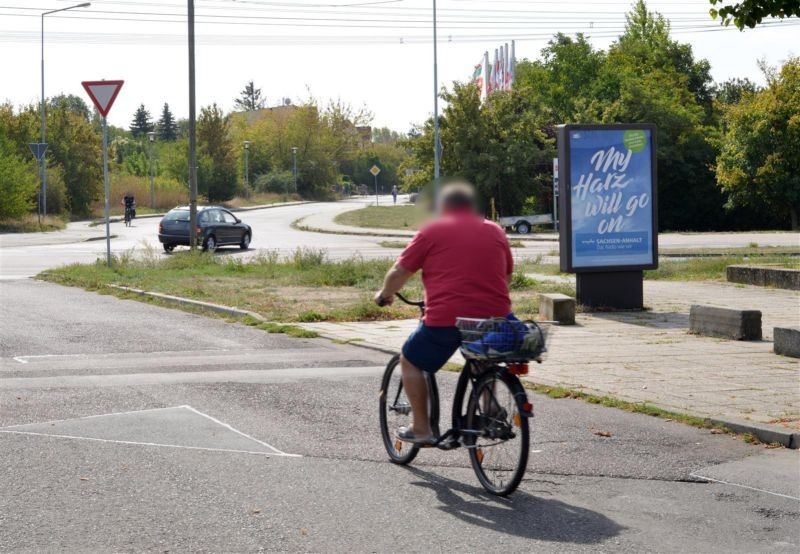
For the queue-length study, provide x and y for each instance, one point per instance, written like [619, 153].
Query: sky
[377, 53]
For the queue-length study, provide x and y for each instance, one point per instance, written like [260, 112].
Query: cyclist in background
[466, 265]
[130, 206]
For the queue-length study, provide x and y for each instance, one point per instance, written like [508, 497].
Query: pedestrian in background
[394, 194]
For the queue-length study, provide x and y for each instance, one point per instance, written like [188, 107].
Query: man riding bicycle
[466, 265]
[129, 201]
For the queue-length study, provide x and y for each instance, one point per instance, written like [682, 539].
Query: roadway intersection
[129, 427]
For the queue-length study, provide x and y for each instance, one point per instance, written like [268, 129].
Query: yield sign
[38, 149]
[102, 93]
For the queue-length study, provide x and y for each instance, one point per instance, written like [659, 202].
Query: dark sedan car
[215, 227]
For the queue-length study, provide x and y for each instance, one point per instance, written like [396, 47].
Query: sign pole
[105, 178]
[555, 194]
[376, 189]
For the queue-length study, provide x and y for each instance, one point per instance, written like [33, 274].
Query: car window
[228, 217]
[203, 217]
[177, 215]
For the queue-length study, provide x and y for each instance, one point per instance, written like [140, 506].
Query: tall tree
[749, 13]
[167, 127]
[249, 98]
[757, 166]
[217, 171]
[733, 90]
[142, 122]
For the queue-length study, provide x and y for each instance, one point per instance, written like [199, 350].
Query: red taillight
[199, 231]
[160, 229]
[527, 408]
[518, 369]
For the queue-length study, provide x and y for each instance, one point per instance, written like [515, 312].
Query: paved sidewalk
[651, 357]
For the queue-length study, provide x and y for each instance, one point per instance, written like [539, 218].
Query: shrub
[18, 186]
[275, 181]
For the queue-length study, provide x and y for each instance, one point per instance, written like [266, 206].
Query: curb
[177, 300]
[764, 432]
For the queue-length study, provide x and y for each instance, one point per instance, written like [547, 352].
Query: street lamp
[294, 167]
[437, 147]
[247, 162]
[44, 161]
[152, 136]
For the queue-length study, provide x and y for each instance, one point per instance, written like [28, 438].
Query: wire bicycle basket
[502, 339]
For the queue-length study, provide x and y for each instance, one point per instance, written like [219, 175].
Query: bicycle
[128, 215]
[497, 407]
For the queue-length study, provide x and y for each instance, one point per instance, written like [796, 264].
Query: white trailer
[523, 224]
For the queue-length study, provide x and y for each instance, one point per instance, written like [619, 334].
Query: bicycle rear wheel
[499, 448]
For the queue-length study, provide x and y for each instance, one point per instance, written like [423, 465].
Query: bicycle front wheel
[395, 412]
[499, 437]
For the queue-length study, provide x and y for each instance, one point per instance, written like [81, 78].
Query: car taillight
[518, 369]
[161, 228]
[199, 231]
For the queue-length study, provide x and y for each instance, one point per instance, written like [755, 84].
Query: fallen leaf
[717, 431]
[668, 420]
[602, 433]
[303, 531]
[255, 511]
[83, 478]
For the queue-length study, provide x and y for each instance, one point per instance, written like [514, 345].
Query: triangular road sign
[38, 149]
[102, 93]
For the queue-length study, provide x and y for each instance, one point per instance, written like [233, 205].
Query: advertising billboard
[608, 208]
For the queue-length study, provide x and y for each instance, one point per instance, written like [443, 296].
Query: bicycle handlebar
[419, 303]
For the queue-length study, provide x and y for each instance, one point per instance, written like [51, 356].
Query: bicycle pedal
[448, 444]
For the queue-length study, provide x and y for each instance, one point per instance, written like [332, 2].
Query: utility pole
[43, 192]
[437, 147]
[247, 163]
[152, 136]
[192, 136]
[294, 167]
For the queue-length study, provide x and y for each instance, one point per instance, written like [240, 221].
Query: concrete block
[764, 276]
[557, 307]
[726, 323]
[786, 341]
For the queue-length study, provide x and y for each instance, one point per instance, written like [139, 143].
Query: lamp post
[437, 147]
[192, 134]
[294, 167]
[44, 162]
[247, 163]
[152, 136]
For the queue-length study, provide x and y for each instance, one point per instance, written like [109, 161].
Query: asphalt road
[25, 255]
[129, 427]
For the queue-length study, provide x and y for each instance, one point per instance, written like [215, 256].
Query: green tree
[757, 166]
[167, 128]
[249, 98]
[71, 103]
[749, 13]
[142, 122]
[18, 184]
[503, 146]
[217, 164]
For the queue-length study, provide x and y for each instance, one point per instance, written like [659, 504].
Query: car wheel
[211, 244]
[523, 228]
[169, 247]
[245, 244]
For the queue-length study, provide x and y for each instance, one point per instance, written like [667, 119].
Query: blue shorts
[429, 348]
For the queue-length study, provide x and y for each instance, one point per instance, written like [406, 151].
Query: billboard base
[615, 290]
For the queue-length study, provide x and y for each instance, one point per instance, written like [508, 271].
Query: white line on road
[744, 486]
[218, 422]
[136, 443]
[277, 452]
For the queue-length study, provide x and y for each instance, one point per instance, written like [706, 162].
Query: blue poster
[611, 197]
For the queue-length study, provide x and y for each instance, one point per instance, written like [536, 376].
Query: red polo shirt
[465, 261]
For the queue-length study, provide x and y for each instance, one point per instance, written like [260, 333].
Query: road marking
[11, 430]
[25, 359]
[744, 486]
[218, 422]
[267, 454]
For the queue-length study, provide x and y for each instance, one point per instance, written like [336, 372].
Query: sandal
[405, 434]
